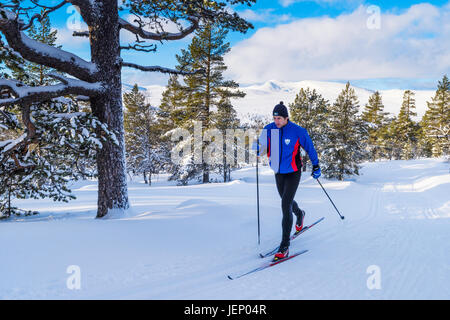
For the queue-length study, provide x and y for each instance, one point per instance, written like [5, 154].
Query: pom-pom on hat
[280, 110]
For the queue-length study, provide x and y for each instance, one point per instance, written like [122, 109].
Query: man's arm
[307, 144]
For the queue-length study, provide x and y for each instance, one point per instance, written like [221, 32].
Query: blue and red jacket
[283, 146]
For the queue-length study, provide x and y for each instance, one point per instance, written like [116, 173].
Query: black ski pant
[287, 184]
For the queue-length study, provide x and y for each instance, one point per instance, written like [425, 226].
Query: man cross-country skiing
[287, 137]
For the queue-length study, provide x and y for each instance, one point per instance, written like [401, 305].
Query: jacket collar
[286, 125]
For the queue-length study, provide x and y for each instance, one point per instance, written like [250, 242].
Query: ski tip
[229, 277]
[297, 253]
[261, 255]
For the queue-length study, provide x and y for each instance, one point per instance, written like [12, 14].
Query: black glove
[316, 171]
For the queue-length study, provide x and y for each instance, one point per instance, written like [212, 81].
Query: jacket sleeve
[262, 139]
[307, 144]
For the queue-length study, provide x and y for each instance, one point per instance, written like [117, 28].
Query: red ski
[295, 235]
[268, 265]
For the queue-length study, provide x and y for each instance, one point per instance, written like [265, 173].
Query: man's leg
[291, 182]
[295, 208]
[280, 187]
[279, 179]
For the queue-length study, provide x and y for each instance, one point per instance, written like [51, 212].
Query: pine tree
[374, 120]
[172, 111]
[50, 151]
[225, 118]
[206, 91]
[35, 74]
[344, 149]
[407, 129]
[309, 110]
[436, 121]
[46, 144]
[424, 142]
[10, 62]
[98, 79]
[255, 120]
[390, 139]
[175, 113]
[145, 155]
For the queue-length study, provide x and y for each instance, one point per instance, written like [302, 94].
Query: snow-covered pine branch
[11, 143]
[160, 36]
[41, 53]
[62, 147]
[24, 94]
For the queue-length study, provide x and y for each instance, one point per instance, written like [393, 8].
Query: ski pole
[257, 192]
[342, 217]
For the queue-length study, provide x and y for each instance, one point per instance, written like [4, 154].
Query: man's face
[280, 121]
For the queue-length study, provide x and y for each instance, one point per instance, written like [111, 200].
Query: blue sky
[301, 9]
[297, 40]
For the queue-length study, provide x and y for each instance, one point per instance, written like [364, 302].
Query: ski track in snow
[181, 242]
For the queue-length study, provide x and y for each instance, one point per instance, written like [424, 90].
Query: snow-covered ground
[181, 242]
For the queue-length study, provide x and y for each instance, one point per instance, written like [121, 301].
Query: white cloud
[410, 44]
[67, 40]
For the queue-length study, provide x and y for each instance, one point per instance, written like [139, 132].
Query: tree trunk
[224, 163]
[304, 160]
[205, 173]
[206, 115]
[105, 52]
[9, 199]
[145, 178]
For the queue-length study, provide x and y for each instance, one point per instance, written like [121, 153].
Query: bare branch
[27, 95]
[45, 13]
[10, 147]
[50, 8]
[139, 47]
[138, 30]
[41, 53]
[81, 34]
[160, 69]
[30, 23]
[82, 98]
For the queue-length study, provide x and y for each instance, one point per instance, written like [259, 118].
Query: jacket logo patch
[287, 141]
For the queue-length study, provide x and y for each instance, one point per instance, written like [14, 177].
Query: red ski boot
[299, 223]
[283, 252]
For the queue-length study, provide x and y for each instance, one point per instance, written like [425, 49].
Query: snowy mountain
[182, 242]
[261, 98]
